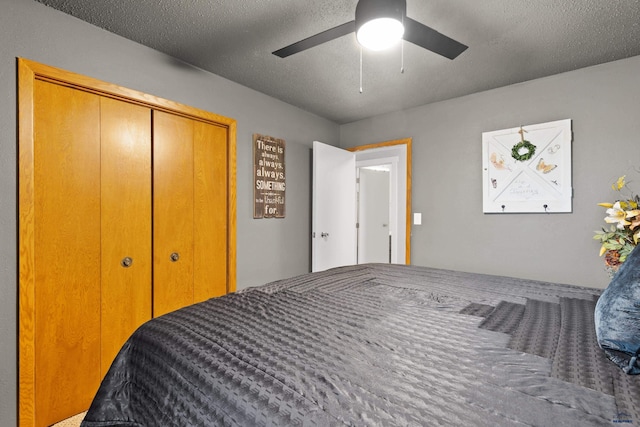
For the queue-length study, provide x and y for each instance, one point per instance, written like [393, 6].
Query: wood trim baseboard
[26, 246]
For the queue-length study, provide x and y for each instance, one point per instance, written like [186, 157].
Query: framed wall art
[269, 179]
[528, 169]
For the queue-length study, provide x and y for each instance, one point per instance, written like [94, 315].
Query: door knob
[323, 234]
[126, 262]
[174, 256]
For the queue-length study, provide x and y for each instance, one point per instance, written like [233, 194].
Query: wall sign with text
[269, 177]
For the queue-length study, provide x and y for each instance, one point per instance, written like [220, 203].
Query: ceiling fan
[373, 19]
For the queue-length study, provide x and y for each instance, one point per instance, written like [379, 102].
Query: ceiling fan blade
[323, 37]
[430, 39]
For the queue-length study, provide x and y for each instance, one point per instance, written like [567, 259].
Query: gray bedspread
[373, 345]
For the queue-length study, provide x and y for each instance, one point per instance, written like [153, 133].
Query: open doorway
[384, 201]
[374, 223]
[334, 220]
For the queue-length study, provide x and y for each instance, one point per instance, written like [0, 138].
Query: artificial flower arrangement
[624, 233]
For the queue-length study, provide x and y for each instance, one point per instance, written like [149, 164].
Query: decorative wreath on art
[523, 151]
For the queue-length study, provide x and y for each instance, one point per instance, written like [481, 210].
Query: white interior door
[396, 159]
[373, 215]
[334, 207]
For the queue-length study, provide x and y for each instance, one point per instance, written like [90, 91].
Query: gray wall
[268, 249]
[603, 103]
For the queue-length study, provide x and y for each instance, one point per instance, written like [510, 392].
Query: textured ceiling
[510, 41]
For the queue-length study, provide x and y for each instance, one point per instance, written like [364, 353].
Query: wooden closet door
[67, 251]
[172, 212]
[126, 223]
[190, 201]
[210, 210]
[84, 202]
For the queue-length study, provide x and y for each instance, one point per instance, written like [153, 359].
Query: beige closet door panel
[172, 212]
[67, 250]
[210, 211]
[126, 223]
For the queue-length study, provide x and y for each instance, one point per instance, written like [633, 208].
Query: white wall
[603, 103]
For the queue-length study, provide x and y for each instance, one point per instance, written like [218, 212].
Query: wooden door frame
[28, 73]
[407, 142]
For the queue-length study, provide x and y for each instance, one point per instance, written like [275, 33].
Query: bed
[372, 345]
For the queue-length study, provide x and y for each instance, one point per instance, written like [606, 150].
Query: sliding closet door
[126, 222]
[67, 250]
[172, 212]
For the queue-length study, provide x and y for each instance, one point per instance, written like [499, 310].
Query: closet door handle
[126, 262]
[174, 257]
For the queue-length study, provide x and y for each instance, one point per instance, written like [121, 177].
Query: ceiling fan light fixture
[380, 33]
[379, 23]
[380, 10]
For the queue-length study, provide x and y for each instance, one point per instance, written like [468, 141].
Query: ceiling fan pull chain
[360, 69]
[401, 56]
[402, 50]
